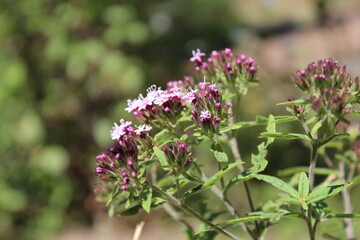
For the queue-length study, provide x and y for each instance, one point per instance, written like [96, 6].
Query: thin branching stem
[191, 212]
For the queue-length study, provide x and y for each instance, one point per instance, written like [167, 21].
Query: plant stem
[188, 210]
[178, 188]
[225, 201]
[349, 229]
[237, 157]
[313, 157]
[308, 223]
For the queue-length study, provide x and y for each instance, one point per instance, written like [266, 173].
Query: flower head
[332, 91]
[178, 155]
[118, 130]
[158, 104]
[224, 66]
[209, 109]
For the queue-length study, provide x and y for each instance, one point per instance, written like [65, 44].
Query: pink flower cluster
[209, 109]
[178, 155]
[330, 87]
[225, 62]
[182, 84]
[158, 104]
[120, 162]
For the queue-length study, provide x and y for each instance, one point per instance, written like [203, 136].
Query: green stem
[178, 188]
[188, 210]
[313, 158]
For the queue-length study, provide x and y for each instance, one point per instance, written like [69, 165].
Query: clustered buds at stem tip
[331, 89]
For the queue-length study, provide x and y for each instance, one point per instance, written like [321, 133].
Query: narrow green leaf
[315, 128]
[161, 156]
[238, 178]
[343, 215]
[226, 128]
[130, 211]
[287, 136]
[163, 136]
[146, 198]
[192, 191]
[259, 162]
[290, 200]
[219, 154]
[296, 102]
[115, 192]
[355, 180]
[211, 181]
[286, 118]
[260, 217]
[271, 127]
[303, 187]
[325, 192]
[333, 136]
[278, 183]
[291, 171]
[355, 112]
[192, 178]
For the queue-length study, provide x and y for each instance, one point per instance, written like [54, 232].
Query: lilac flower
[119, 162]
[197, 56]
[209, 108]
[161, 105]
[224, 66]
[332, 91]
[142, 129]
[182, 84]
[118, 130]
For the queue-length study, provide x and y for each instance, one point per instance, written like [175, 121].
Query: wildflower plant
[153, 165]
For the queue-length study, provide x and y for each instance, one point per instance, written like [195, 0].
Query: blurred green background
[67, 68]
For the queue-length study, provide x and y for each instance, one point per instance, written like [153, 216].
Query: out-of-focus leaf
[287, 136]
[278, 183]
[325, 192]
[290, 171]
[296, 102]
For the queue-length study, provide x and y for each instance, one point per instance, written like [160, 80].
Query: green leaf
[343, 215]
[116, 191]
[146, 198]
[260, 217]
[333, 136]
[239, 178]
[303, 187]
[296, 102]
[192, 178]
[163, 136]
[287, 136]
[259, 162]
[226, 128]
[291, 171]
[130, 211]
[219, 154]
[286, 118]
[161, 156]
[192, 191]
[355, 112]
[271, 127]
[211, 181]
[290, 200]
[325, 192]
[355, 180]
[315, 128]
[260, 120]
[278, 183]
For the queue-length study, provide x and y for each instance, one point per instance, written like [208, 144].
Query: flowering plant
[153, 165]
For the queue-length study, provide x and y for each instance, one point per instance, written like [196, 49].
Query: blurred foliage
[67, 68]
